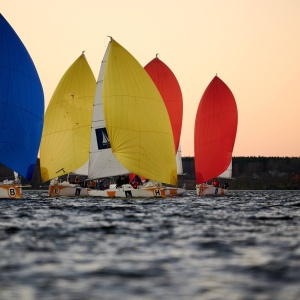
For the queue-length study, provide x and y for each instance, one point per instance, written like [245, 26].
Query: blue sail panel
[21, 104]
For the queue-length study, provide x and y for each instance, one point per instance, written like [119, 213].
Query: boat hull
[10, 191]
[170, 191]
[127, 191]
[209, 190]
[72, 190]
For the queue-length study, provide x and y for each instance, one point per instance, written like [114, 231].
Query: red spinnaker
[215, 131]
[170, 91]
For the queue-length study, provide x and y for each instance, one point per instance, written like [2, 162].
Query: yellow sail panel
[137, 120]
[66, 134]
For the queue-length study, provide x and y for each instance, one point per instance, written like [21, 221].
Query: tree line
[255, 172]
[248, 172]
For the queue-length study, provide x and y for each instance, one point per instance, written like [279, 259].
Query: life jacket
[134, 183]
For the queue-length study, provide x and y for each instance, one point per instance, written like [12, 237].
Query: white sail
[227, 173]
[83, 170]
[179, 161]
[103, 162]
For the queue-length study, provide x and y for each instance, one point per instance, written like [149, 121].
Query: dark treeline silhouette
[242, 166]
[255, 173]
[247, 172]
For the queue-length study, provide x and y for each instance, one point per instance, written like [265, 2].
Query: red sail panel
[215, 131]
[170, 91]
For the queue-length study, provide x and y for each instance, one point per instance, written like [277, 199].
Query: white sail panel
[227, 173]
[179, 161]
[103, 162]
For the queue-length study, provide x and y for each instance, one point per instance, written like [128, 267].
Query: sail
[215, 131]
[65, 141]
[169, 88]
[227, 173]
[179, 161]
[21, 104]
[102, 162]
[138, 128]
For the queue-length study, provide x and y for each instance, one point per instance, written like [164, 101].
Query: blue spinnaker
[21, 104]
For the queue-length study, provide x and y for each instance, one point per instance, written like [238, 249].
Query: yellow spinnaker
[66, 134]
[136, 118]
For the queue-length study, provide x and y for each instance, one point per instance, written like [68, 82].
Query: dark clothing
[100, 184]
[119, 181]
[126, 179]
[138, 179]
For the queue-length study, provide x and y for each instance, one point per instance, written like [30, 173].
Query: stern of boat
[209, 190]
[10, 191]
[67, 190]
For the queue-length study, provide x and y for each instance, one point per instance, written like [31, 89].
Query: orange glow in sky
[253, 46]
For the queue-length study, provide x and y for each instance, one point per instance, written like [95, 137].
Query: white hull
[10, 191]
[209, 190]
[67, 190]
[141, 192]
[74, 190]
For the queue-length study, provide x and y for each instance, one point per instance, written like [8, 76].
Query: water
[242, 246]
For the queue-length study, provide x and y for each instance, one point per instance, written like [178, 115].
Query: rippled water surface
[242, 246]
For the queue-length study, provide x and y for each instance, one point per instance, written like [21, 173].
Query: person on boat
[119, 181]
[126, 179]
[92, 184]
[100, 184]
[136, 181]
[216, 183]
[226, 185]
[77, 180]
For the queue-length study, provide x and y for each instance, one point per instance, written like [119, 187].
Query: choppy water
[242, 246]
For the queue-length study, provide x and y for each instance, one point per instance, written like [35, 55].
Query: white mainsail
[179, 161]
[227, 173]
[103, 162]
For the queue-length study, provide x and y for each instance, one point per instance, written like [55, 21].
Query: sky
[252, 45]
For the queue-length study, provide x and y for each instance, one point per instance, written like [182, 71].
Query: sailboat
[169, 88]
[131, 130]
[214, 137]
[21, 110]
[65, 140]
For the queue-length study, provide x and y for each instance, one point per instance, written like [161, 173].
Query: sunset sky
[253, 46]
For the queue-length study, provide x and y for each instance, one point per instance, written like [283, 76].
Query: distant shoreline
[249, 173]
